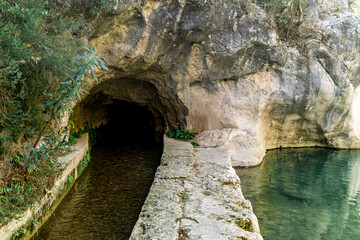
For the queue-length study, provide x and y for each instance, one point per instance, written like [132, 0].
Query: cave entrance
[129, 109]
[107, 198]
[128, 122]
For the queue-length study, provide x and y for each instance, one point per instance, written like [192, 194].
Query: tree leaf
[94, 75]
[62, 88]
[78, 95]
[83, 90]
[32, 149]
[102, 65]
[80, 57]
[50, 102]
[56, 109]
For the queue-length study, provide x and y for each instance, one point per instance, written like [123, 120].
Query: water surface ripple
[106, 200]
[305, 194]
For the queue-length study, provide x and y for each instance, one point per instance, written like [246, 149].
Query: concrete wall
[196, 194]
[42, 210]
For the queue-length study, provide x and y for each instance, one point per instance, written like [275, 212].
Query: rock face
[219, 68]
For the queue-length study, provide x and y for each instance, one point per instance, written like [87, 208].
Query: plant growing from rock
[288, 15]
[184, 135]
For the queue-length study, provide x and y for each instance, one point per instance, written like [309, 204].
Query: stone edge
[166, 190]
[42, 210]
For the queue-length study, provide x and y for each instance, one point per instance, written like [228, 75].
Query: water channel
[306, 194]
[106, 200]
[299, 194]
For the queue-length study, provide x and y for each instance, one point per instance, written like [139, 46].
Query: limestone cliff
[221, 69]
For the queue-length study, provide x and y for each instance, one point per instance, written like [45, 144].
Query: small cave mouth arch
[129, 126]
[129, 109]
[119, 121]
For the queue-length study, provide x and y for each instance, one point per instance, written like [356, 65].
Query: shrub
[181, 134]
[88, 8]
[35, 44]
[71, 88]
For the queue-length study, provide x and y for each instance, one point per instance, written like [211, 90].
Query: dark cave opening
[128, 122]
[106, 200]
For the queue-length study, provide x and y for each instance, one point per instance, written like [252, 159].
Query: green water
[305, 194]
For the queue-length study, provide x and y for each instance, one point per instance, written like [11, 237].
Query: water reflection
[306, 194]
[106, 200]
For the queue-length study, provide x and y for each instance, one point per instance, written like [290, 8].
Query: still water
[106, 200]
[306, 194]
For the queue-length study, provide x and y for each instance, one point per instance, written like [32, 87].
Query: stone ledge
[196, 194]
[42, 211]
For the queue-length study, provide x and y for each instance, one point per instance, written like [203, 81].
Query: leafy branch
[70, 90]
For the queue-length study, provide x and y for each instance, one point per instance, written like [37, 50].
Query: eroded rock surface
[218, 68]
[196, 195]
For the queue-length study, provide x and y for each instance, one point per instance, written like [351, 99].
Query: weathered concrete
[196, 194]
[43, 209]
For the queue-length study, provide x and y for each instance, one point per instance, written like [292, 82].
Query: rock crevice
[220, 69]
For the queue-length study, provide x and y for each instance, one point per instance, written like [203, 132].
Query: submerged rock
[220, 69]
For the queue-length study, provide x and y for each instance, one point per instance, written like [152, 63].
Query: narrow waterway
[106, 200]
[306, 194]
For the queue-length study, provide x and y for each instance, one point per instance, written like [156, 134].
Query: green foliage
[53, 142]
[83, 163]
[33, 224]
[19, 191]
[35, 44]
[2, 213]
[72, 136]
[69, 91]
[69, 180]
[89, 8]
[181, 134]
[93, 133]
[72, 139]
[15, 197]
[195, 144]
[19, 234]
[72, 86]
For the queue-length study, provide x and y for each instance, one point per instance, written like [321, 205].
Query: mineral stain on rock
[220, 68]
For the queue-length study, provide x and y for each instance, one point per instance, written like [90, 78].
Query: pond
[308, 193]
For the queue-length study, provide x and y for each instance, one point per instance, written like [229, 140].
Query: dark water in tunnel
[106, 200]
[306, 194]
